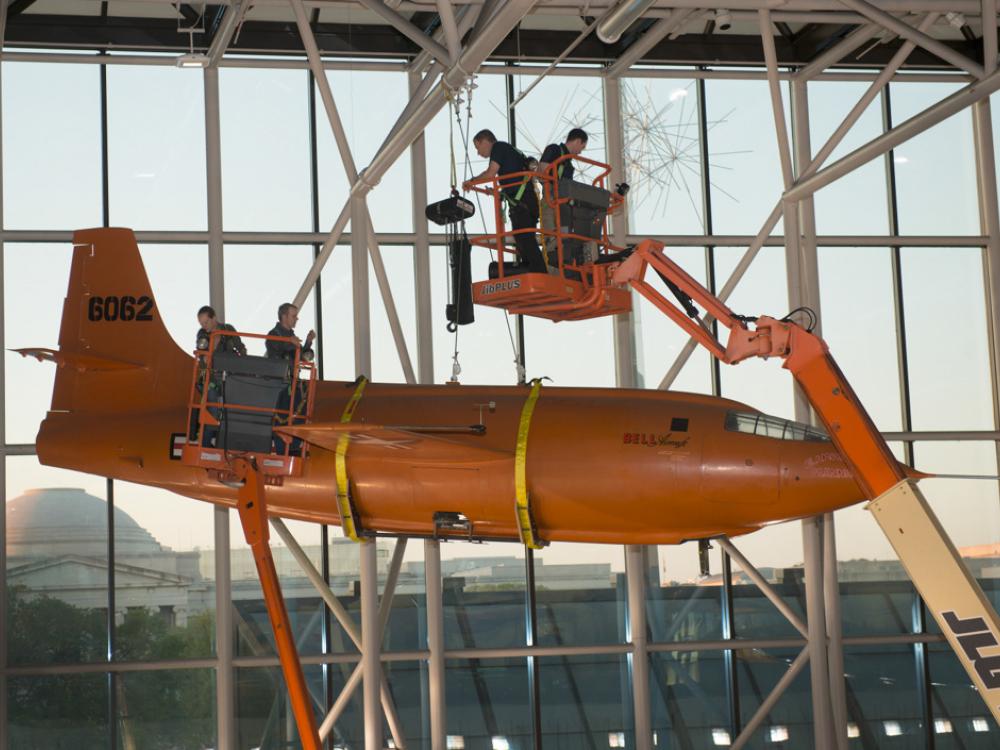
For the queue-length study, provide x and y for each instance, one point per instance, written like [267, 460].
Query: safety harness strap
[525, 521]
[348, 523]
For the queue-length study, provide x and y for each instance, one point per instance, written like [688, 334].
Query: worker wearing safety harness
[518, 193]
[576, 142]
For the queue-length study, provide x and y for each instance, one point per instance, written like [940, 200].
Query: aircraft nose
[816, 479]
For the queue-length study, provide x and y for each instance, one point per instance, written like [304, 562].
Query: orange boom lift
[952, 594]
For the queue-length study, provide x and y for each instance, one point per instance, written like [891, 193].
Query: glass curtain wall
[110, 622]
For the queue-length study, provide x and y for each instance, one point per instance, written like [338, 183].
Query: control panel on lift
[573, 234]
[238, 399]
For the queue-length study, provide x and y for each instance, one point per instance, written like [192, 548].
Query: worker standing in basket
[518, 193]
[576, 142]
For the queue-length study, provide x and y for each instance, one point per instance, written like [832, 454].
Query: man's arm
[491, 171]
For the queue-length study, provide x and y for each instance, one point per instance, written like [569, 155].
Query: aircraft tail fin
[115, 353]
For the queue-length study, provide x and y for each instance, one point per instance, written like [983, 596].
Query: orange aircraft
[604, 465]
[454, 462]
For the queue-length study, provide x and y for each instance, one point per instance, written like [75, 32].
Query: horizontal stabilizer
[407, 443]
[79, 362]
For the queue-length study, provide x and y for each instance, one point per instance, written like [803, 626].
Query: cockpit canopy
[754, 423]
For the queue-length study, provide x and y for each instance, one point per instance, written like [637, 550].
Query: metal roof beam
[407, 29]
[231, 21]
[447, 14]
[908, 32]
[650, 39]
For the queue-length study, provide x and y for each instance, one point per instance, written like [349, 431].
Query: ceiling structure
[687, 32]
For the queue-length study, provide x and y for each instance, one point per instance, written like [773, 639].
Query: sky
[52, 176]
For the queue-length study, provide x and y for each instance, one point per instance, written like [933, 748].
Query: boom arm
[954, 597]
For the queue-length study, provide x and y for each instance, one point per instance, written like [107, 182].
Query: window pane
[789, 723]
[763, 290]
[776, 551]
[553, 108]
[689, 699]
[253, 633]
[35, 279]
[56, 711]
[572, 353]
[876, 595]
[156, 147]
[859, 324]
[947, 345]
[57, 564]
[178, 275]
[368, 103]
[584, 701]
[488, 702]
[164, 571]
[936, 170]
[386, 366]
[968, 509]
[166, 710]
[961, 720]
[263, 713]
[662, 156]
[258, 279]
[660, 340]
[265, 150]
[484, 599]
[743, 155]
[681, 605]
[580, 594]
[856, 203]
[51, 146]
[883, 700]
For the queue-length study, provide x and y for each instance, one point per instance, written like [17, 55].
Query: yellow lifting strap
[348, 523]
[525, 522]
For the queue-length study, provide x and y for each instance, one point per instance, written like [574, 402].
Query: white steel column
[834, 633]
[989, 221]
[3, 452]
[371, 645]
[812, 550]
[421, 254]
[626, 359]
[435, 642]
[225, 704]
[808, 293]
[635, 575]
[360, 292]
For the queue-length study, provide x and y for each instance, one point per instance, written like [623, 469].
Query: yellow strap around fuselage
[348, 523]
[525, 522]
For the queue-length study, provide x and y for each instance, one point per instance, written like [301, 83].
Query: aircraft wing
[394, 442]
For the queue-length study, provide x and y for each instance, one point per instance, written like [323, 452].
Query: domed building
[57, 546]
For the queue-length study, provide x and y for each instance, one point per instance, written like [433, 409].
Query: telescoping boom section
[573, 231]
[956, 600]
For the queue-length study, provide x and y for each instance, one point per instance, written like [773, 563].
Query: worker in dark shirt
[210, 322]
[576, 142]
[518, 193]
[288, 316]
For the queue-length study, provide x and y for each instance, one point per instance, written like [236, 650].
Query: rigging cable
[465, 136]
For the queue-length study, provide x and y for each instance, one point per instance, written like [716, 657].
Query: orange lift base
[550, 296]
